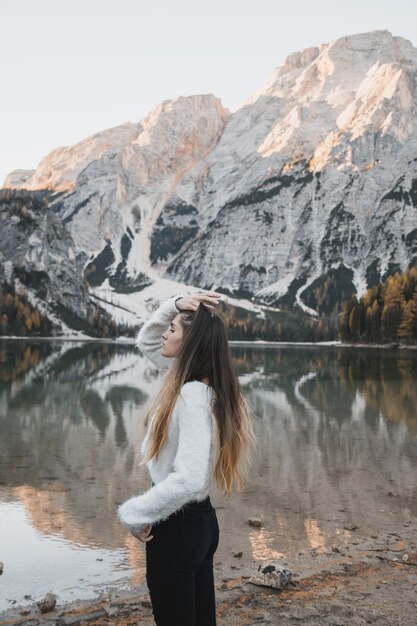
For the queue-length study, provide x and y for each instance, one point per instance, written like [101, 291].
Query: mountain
[303, 196]
[41, 290]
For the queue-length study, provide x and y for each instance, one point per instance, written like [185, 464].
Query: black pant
[179, 566]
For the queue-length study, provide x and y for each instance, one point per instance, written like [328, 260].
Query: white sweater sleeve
[149, 338]
[189, 469]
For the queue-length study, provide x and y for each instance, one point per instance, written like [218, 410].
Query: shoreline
[260, 343]
[362, 581]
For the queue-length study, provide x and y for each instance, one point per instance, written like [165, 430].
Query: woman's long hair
[205, 352]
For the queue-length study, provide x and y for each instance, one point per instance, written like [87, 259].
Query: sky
[71, 68]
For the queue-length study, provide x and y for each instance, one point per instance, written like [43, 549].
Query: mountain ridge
[311, 182]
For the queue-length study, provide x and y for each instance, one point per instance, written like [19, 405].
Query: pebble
[47, 603]
[255, 521]
[111, 611]
[24, 611]
[350, 527]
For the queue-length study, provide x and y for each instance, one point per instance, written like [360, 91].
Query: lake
[336, 454]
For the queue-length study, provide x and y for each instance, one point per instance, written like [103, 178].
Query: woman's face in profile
[172, 338]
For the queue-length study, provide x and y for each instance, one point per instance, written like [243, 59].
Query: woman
[199, 430]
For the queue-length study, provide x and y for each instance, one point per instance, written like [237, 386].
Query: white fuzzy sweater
[183, 470]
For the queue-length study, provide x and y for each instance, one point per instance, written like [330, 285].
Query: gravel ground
[369, 581]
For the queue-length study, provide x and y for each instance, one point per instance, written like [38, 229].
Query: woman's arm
[190, 465]
[149, 338]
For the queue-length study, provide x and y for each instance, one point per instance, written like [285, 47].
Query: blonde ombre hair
[205, 352]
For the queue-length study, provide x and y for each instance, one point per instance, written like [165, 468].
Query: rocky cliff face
[312, 182]
[315, 176]
[38, 259]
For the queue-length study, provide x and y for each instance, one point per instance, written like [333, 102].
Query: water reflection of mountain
[385, 380]
[335, 430]
[19, 357]
[34, 377]
[63, 419]
[339, 427]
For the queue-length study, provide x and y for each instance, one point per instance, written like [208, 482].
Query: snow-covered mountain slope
[310, 185]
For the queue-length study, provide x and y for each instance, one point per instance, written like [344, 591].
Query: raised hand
[191, 303]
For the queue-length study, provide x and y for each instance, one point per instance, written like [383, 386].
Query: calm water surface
[336, 445]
